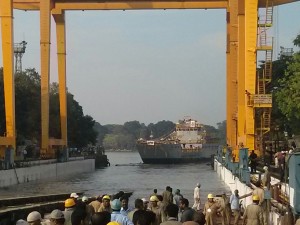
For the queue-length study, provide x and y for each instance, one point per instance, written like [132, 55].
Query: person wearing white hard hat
[22, 222]
[34, 218]
[266, 181]
[57, 217]
[74, 196]
[90, 211]
[145, 203]
[197, 200]
[211, 208]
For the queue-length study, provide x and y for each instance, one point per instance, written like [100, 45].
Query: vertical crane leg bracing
[45, 28]
[61, 63]
[6, 13]
[232, 84]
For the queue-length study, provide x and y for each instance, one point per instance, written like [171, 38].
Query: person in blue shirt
[116, 215]
[125, 208]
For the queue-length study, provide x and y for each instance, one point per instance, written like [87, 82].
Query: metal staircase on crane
[263, 100]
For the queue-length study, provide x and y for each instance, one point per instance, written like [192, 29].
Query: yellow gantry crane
[245, 88]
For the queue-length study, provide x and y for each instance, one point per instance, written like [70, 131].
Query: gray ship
[187, 143]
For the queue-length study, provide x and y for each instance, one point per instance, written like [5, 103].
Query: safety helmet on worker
[154, 199]
[69, 203]
[255, 198]
[210, 196]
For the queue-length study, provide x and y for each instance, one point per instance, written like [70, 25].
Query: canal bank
[45, 169]
[282, 196]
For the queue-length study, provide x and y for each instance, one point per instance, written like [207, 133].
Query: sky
[146, 65]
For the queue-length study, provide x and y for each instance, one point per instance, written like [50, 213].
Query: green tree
[287, 96]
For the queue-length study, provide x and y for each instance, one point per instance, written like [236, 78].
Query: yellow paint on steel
[6, 14]
[241, 75]
[232, 62]
[251, 14]
[45, 15]
[241, 57]
[61, 63]
[134, 5]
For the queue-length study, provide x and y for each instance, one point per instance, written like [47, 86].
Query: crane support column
[241, 75]
[45, 28]
[251, 13]
[232, 61]
[6, 14]
[61, 57]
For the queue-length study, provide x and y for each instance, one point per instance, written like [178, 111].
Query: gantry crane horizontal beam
[59, 5]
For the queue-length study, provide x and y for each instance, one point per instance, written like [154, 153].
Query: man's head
[236, 192]
[265, 168]
[145, 203]
[198, 185]
[183, 203]
[177, 192]
[85, 199]
[124, 202]
[78, 216]
[57, 217]
[142, 217]
[210, 197]
[22, 222]
[155, 191]
[139, 204]
[74, 196]
[154, 200]
[172, 210]
[252, 151]
[106, 201]
[34, 218]
[199, 218]
[101, 218]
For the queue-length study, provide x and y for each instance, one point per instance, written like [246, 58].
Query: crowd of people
[164, 209]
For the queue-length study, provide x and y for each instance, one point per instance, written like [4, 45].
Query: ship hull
[174, 154]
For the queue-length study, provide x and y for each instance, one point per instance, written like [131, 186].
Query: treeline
[28, 113]
[125, 136]
[285, 87]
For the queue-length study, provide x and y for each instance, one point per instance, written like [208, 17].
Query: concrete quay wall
[39, 172]
[234, 183]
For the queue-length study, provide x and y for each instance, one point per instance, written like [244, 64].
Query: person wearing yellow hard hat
[254, 213]
[210, 210]
[105, 206]
[69, 209]
[159, 213]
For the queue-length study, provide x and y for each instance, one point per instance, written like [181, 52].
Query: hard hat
[115, 204]
[265, 168]
[22, 222]
[84, 199]
[113, 223]
[69, 203]
[106, 197]
[57, 214]
[255, 198]
[34, 216]
[210, 196]
[74, 195]
[154, 199]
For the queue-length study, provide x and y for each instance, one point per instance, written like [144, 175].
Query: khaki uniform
[263, 203]
[226, 212]
[102, 209]
[210, 211]
[96, 205]
[253, 215]
[160, 215]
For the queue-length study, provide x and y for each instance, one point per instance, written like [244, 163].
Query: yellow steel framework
[242, 29]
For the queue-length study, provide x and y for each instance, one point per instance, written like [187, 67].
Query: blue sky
[147, 65]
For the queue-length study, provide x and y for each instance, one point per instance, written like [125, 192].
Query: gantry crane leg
[6, 14]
